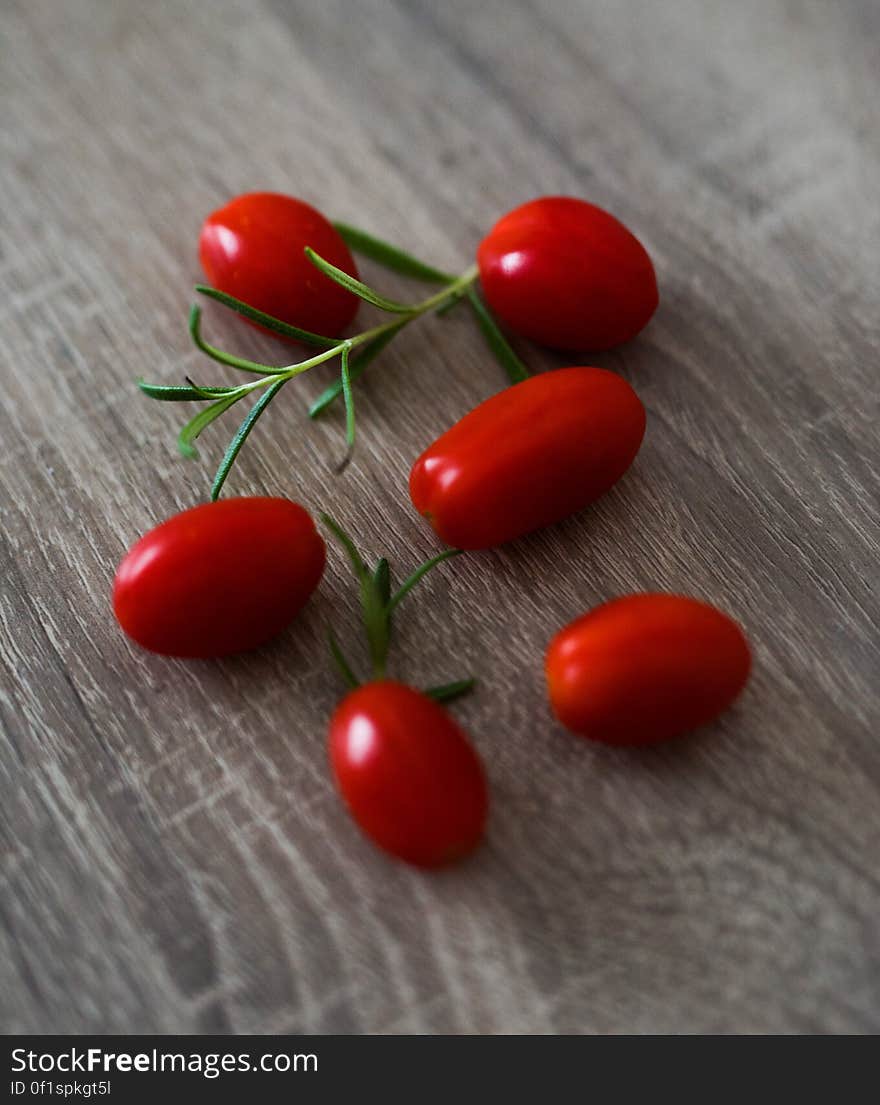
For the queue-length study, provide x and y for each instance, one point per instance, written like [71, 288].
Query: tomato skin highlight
[568, 275]
[221, 578]
[528, 456]
[253, 248]
[644, 668]
[408, 773]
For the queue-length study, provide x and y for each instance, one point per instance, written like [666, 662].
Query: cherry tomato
[528, 456]
[408, 773]
[220, 578]
[253, 248]
[567, 275]
[643, 668]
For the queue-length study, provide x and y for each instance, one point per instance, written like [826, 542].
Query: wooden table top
[175, 856]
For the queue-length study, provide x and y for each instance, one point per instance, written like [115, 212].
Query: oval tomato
[567, 274]
[408, 773]
[528, 456]
[220, 578]
[643, 668]
[253, 248]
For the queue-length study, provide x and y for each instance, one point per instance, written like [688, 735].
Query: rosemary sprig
[378, 604]
[355, 353]
[272, 377]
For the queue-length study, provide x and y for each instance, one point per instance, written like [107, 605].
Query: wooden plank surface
[174, 857]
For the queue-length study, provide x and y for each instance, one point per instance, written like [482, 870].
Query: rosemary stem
[272, 379]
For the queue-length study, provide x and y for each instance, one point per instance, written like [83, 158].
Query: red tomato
[643, 668]
[408, 773]
[253, 248]
[220, 578]
[528, 456]
[567, 274]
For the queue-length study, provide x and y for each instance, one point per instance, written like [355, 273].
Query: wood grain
[174, 856]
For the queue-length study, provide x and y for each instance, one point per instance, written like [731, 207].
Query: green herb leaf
[269, 321]
[390, 256]
[377, 606]
[345, 380]
[357, 562]
[344, 667]
[358, 365]
[374, 604]
[509, 361]
[356, 286]
[419, 574]
[180, 394]
[348, 397]
[204, 418]
[382, 580]
[377, 623]
[195, 332]
[448, 692]
[234, 447]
